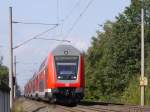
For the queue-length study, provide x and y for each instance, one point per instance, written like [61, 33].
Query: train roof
[65, 50]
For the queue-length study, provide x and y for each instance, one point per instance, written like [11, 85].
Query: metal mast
[10, 57]
[142, 54]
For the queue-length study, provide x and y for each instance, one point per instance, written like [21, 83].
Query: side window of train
[36, 82]
[33, 87]
[41, 85]
[46, 73]
[46, 76]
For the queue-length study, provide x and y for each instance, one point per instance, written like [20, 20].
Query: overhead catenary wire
[63, 40]
[63, 21]
[28, 63]
[57, 16]
[57, 6]
[78, 18]
[35, 23]
[40, 34]
[71, 11]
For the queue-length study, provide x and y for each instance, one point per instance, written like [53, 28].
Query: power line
[42, 33]
[28, 63]
[57, 16]
[77, 20]
[35, 23]
[69, 14]
[71, 11]
[66, 17]
[63, 40]
[57, 11]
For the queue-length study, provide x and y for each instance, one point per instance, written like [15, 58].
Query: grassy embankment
[17, 107]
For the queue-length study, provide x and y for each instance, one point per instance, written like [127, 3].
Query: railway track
[138, 109]
[118, 109]
[100, 109]
[72, 109]
[35, 106]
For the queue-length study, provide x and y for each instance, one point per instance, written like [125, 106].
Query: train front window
[66, 68]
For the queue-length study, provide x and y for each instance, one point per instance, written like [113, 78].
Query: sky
[77, 22]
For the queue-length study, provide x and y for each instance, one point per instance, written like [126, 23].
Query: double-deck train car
[60, 77]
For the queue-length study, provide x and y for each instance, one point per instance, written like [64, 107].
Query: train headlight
[74, 77]
[59, 77]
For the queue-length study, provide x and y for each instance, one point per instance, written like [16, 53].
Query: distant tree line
[3, 72]
[4, 78]
[113, 60]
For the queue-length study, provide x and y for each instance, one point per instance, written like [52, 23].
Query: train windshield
[66, 67]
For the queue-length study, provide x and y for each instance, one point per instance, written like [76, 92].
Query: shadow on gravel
[67, 104]
[38, 109]
[91, 103]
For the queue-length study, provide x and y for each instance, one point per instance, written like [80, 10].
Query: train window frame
[71, 56]
[41, 85]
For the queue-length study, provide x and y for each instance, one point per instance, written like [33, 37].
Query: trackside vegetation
[4, 74]
[17, 106]
[113, 60]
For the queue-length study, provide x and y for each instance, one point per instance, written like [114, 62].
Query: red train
[60, 77]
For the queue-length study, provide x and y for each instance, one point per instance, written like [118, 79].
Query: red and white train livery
[60, 77]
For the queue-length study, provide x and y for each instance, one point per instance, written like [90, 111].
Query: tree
[113, 60]
[4, 74]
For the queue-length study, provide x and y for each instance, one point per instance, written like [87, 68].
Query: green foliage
[4, 74]
[3, 71]
[131, 94]
[18, 106]
[113, 60]
[147, 95]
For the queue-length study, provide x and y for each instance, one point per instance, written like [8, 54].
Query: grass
[17, 106]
